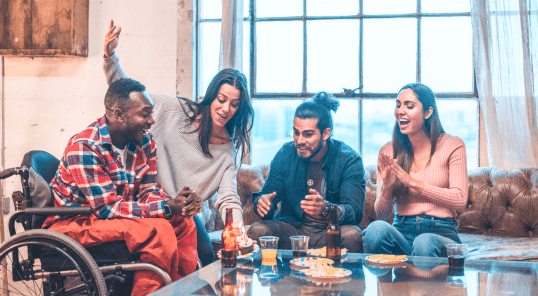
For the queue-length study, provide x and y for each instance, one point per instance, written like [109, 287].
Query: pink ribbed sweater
[445, 183]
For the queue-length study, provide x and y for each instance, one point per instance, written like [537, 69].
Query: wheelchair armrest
[47, 211]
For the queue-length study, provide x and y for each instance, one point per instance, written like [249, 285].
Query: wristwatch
[167, 213]
[327, 209]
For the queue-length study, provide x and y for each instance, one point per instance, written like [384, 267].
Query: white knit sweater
[180, 159]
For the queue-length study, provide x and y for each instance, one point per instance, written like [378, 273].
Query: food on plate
[321, 252]
[323, 270]
[383, 258]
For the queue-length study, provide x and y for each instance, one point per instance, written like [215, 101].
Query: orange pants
[151, 237]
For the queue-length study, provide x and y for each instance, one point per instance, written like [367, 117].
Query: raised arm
[111, 65]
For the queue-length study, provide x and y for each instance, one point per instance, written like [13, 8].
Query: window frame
[346, 94]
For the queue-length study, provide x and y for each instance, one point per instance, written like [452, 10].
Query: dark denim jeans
[420, 235]
[351, 235]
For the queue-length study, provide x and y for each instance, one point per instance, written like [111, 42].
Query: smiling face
[137, 119]
[410, 113]
[225, 105]
[307, 137]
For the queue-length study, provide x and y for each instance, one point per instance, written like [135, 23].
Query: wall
[48, 100]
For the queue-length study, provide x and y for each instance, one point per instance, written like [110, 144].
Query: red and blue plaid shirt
[91, 174]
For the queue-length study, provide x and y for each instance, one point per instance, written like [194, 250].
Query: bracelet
[327, 209]
[167, 213]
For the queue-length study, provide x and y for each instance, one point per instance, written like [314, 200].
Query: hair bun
[327, 100]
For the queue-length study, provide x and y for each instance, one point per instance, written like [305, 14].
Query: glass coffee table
[416, 276]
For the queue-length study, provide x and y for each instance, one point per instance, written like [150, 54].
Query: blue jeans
[351, 235]
[205, 248]
[420, 235]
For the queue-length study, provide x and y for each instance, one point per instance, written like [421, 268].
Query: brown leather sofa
[500, 221]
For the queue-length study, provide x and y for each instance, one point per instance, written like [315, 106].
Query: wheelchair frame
[90, 273]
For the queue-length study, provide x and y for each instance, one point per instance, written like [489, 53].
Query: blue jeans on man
[419, 235]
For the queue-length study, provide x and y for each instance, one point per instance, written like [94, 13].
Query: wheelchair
[45, 262]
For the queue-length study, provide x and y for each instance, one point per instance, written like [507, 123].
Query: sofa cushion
[490, 247]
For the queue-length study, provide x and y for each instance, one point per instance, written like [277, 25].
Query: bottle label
[333, 252]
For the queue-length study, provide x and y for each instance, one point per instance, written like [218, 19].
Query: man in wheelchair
[111, 167]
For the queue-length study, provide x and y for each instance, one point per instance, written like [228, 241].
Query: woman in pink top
[422, 176]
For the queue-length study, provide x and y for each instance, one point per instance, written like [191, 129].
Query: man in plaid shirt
[111, 167]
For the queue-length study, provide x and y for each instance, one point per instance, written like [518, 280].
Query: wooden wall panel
[17, 24]
[44, 27]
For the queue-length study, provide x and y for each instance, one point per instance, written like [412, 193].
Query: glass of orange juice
[269, 245]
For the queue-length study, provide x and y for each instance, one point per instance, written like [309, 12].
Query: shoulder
[387, 148]
[345, 150]
[168, 104]
[449, 142]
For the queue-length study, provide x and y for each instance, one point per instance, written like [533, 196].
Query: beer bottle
[333, 235]
[229, 242]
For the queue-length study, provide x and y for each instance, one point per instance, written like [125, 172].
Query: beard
[316, 150]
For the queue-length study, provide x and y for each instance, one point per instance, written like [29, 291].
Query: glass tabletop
[416, 276]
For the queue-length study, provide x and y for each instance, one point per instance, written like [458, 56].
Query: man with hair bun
[307, 176]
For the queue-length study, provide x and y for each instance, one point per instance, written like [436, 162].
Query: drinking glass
[269, 245]
[456, 255]
[299, 245]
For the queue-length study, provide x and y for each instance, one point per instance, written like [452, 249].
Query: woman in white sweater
[197, 143]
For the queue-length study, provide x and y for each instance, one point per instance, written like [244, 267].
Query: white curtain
[231, 35]
[505, 36]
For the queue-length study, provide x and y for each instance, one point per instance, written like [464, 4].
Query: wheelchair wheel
[46, 262]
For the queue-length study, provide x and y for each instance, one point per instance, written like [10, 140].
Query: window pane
[332, 8]
[447, 54]
[211, 9]
[346, 123]
[273, 125]
[460, 118]
[377, 125]
[209, 58]
[279, 57]
[436, 6]
[390, 54]
[332, 55]
[389, 6]
[279, 8]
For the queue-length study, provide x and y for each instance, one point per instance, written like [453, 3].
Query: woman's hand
[405, 178]
[111, 39]
[384, 170]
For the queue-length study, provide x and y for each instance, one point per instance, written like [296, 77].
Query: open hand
[111, 39]
[313, 203]
[264, 204]
[384, 170]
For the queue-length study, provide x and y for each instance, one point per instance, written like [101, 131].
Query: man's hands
[264, 204]
[313, 203]
[111, 39]
[186, 203]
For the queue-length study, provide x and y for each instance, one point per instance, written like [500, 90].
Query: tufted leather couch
[500, 221]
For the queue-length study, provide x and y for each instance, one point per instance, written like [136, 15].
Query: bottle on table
[229, 242]
[333, 236]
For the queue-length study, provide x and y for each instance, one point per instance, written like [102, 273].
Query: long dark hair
[238, 126]
[401, 146]
[319, 107]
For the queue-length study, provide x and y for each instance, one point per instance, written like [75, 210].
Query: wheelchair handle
[12, 171]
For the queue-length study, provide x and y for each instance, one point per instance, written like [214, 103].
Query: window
[369, 47]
